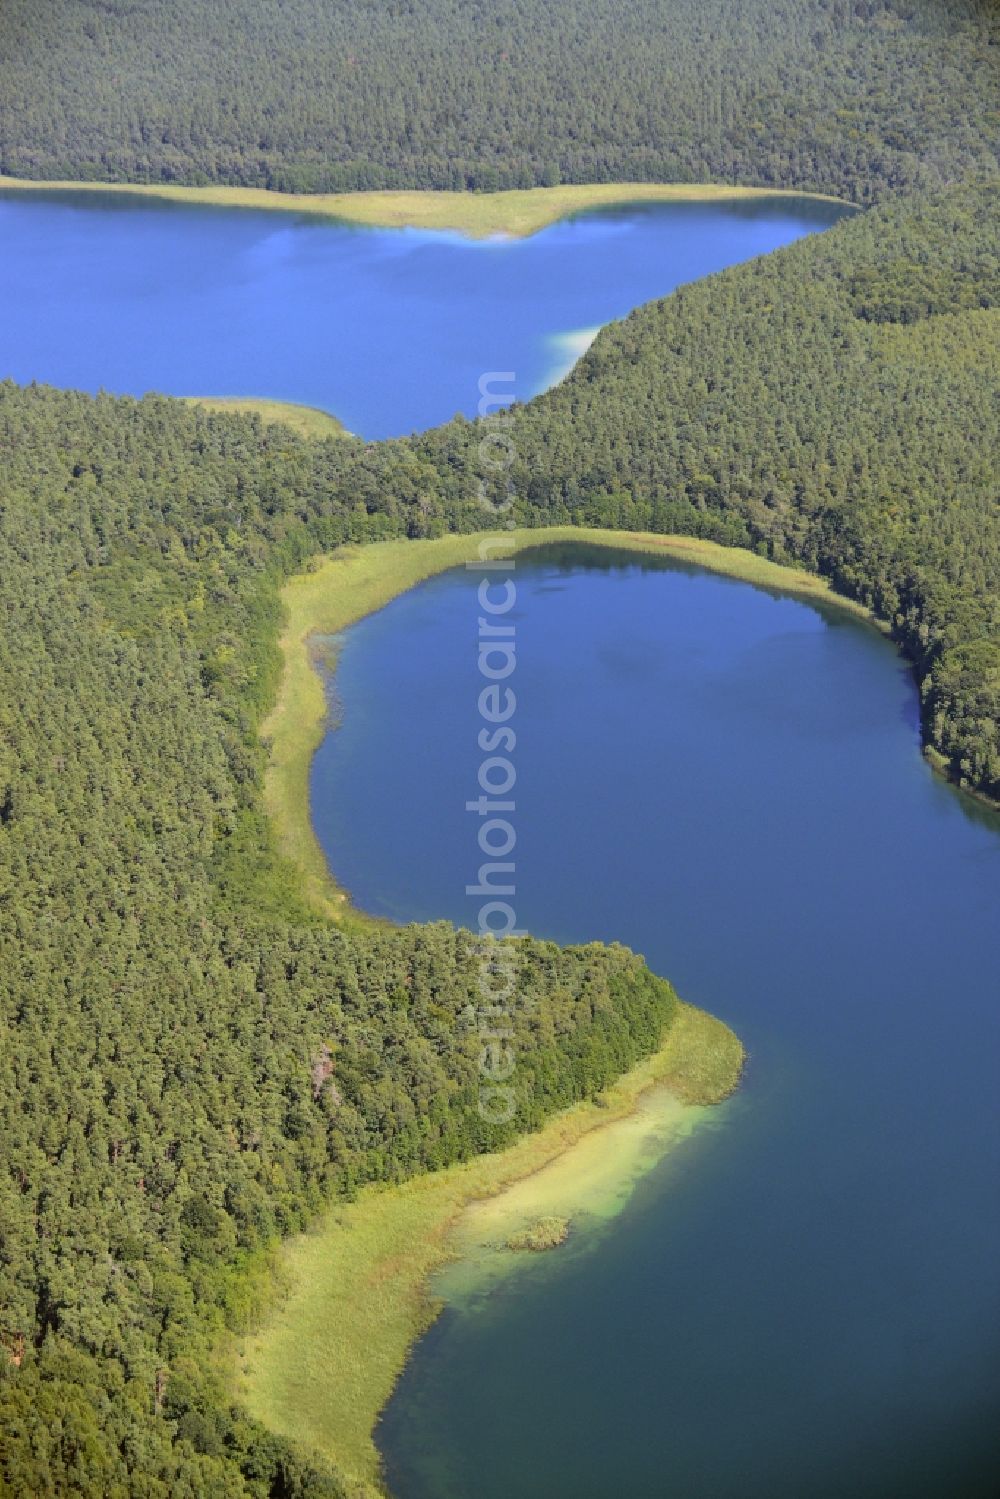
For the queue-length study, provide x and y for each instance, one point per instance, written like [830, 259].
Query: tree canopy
[854, 97]
[191, 1062]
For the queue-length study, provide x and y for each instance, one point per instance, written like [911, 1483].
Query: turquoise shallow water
[804, 1300]
[389, 329]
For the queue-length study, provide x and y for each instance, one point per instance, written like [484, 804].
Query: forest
[192, 1062]
[851, 97]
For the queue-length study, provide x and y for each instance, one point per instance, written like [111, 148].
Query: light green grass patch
[307, 421]
[516, 213]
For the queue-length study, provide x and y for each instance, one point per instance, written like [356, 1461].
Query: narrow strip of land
[516, 213]
[357, 1287]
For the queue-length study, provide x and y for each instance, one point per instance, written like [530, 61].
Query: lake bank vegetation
[306, 421]
[356, 1287]
[516, 213]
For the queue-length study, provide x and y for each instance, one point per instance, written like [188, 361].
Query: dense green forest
[191, 1065]
[853, 97]
[191, 1062]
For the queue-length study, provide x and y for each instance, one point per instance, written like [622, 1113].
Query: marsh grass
[516, 213]
[307, 421]
[536, 1238]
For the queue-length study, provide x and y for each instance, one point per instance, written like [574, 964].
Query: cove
[388, 329]
[729, 780]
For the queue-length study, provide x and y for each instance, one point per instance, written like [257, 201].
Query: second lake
[388, 329]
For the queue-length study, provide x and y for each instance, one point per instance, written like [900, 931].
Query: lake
[388, 329]
[802, 1300]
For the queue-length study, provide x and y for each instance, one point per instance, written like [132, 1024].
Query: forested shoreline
[834, 405]
[192, 1062]
[852, 97]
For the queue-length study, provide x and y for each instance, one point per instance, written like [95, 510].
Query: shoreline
[355, 581]
[359, 1289]
[517, 213]
[356, 1289]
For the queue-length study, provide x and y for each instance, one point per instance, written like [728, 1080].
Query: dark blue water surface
[389, 329]
[805, 1301]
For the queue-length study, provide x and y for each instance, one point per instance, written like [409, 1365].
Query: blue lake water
[804, 1300]
[388, 329]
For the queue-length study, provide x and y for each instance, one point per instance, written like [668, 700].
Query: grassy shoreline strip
[306, 421]
[517, 213]
[357, 581]
[356, 1287]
